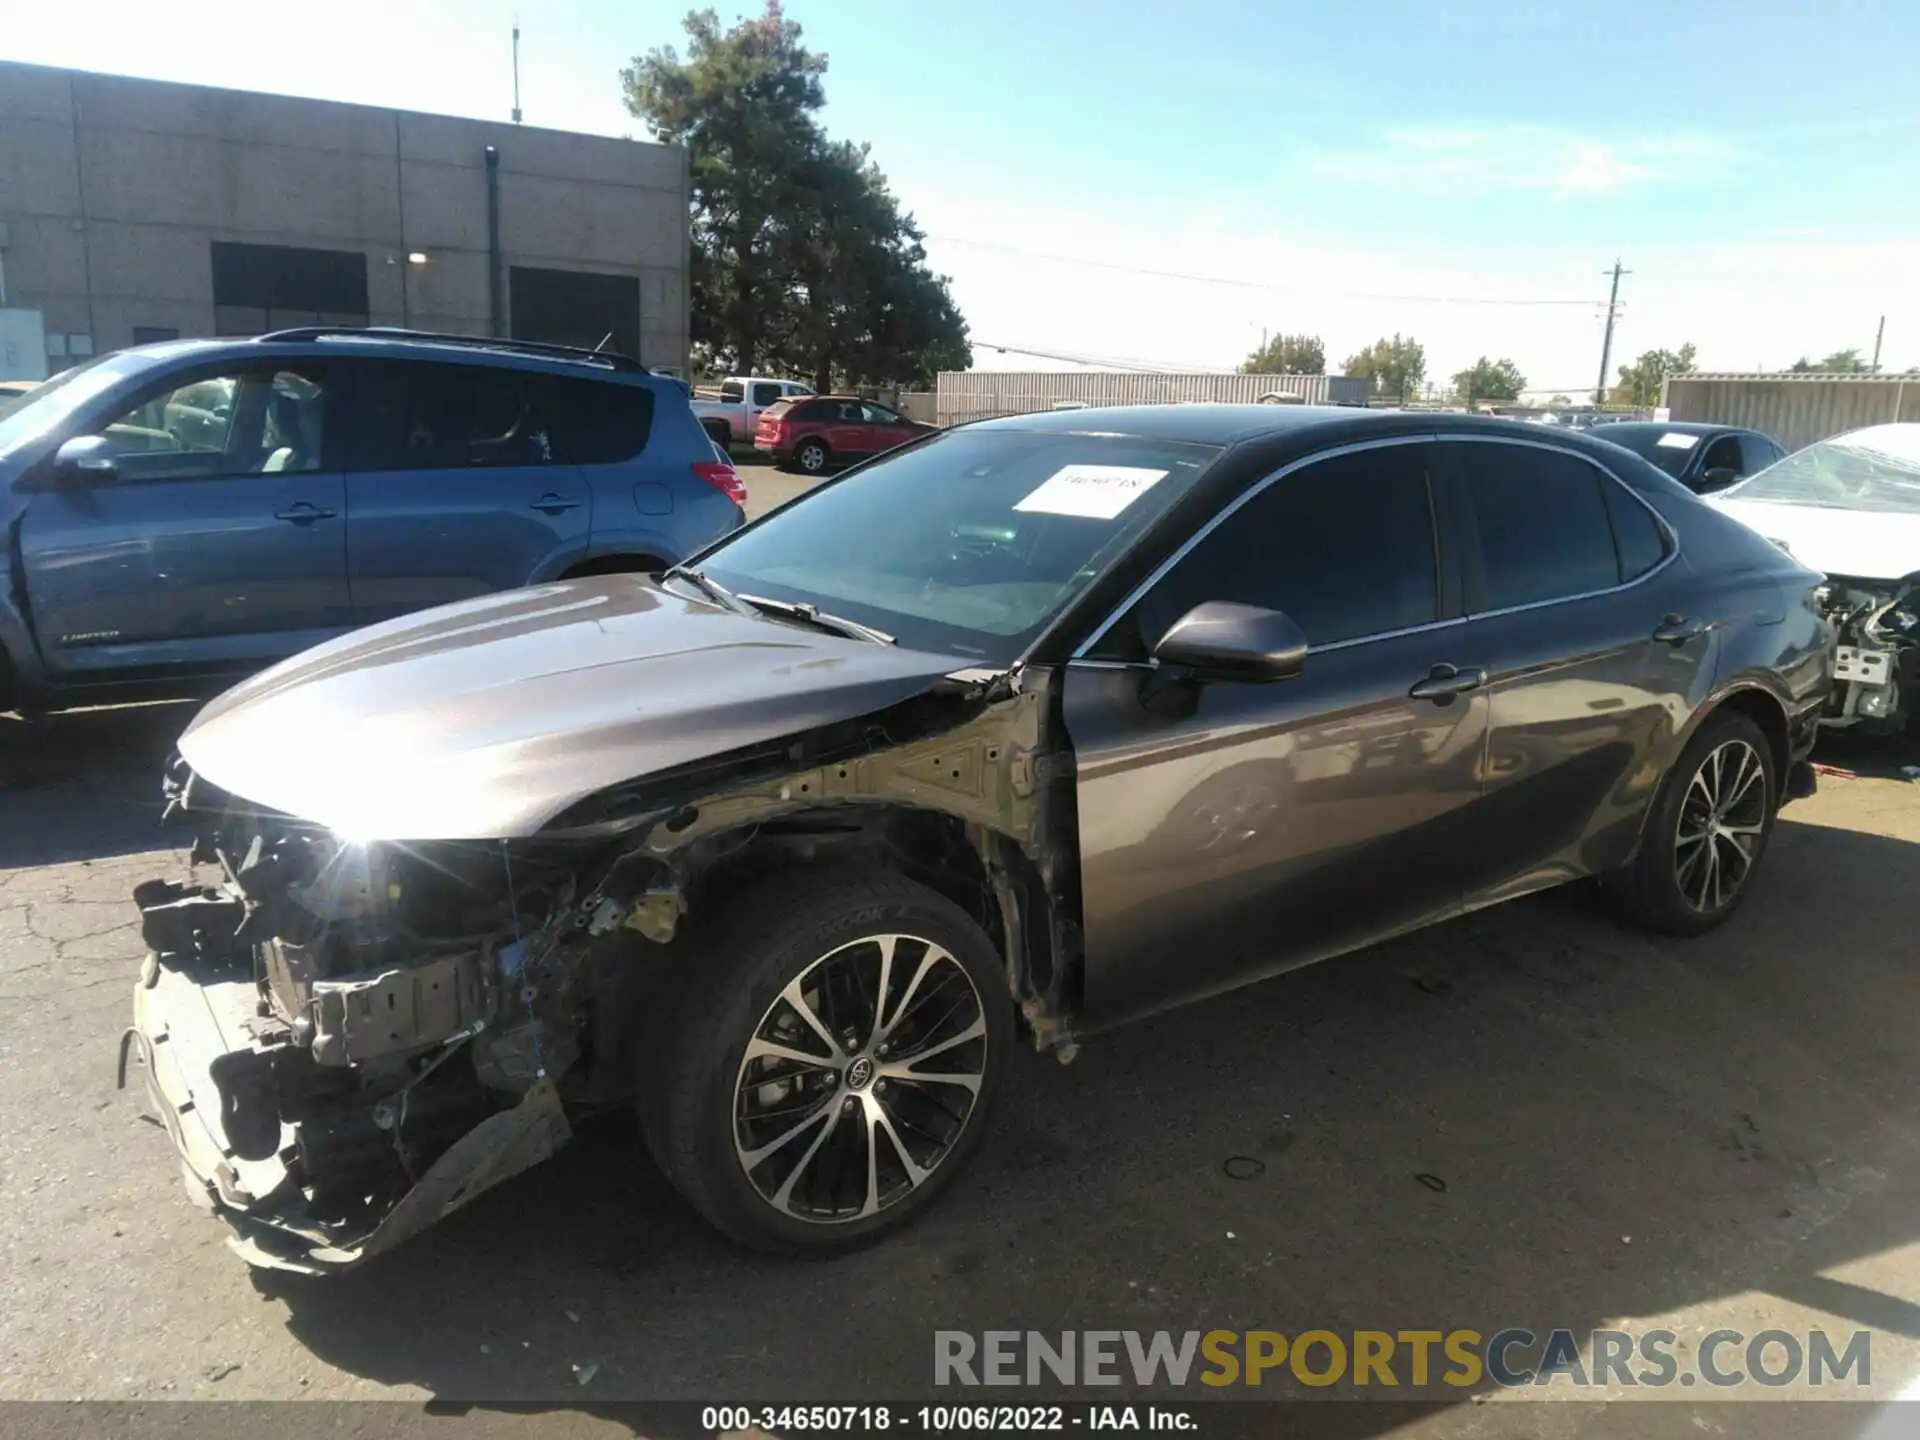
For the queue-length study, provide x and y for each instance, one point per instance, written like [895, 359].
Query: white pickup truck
[731, 418]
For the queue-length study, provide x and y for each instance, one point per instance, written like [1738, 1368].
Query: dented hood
[486, 719]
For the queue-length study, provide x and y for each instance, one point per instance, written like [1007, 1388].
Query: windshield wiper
[710, 587]
[813, 615]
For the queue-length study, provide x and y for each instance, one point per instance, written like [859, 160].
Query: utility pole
[1606, 345]
[516, 69]
[1878, 336]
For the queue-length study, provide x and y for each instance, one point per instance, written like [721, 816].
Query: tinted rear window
[447, 417]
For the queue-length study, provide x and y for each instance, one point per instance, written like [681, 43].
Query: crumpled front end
[346, 1041]
[1877, 658]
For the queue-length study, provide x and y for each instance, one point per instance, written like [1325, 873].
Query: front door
[1594, 654]
[220, 540]
[1246, 828]
[456, 485]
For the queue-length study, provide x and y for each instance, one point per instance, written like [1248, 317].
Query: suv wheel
[829, 1064]
[1708, 830]
[810, 457]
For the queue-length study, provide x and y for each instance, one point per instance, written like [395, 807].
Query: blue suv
[201, 508]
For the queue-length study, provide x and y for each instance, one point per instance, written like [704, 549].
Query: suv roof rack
[612, 359]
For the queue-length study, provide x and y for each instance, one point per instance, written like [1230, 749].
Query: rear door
[1579, 613]
[456, 484]
[1246, 828]
[221, 541]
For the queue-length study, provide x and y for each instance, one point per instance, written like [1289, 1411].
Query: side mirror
[85, 457]
[1221, 640]
[1718, 478]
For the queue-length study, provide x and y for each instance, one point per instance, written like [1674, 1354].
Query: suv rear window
[416, 416]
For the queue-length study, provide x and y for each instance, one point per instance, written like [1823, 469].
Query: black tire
[1670, 887]
[811, 457]
[696, 1098]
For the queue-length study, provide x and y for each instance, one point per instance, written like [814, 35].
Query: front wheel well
[982, 872]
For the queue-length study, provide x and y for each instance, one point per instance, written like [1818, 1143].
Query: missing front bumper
[185, 1029]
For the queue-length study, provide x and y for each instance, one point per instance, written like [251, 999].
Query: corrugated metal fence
[982, 394]
[1796, 410]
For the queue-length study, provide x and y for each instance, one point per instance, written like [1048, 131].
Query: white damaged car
[1850, 507]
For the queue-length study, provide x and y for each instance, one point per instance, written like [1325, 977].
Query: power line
[1108, 362]
[1088, 264]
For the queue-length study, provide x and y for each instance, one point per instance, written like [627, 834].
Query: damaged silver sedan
[1022, 731]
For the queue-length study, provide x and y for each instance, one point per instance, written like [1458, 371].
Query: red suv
[812, 432]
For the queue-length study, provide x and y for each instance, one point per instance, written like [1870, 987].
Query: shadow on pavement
[85, 784]
[1531, 1117]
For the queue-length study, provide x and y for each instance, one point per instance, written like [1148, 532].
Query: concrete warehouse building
[134, 211]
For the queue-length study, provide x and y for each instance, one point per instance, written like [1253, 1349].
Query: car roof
[1210, 424]
[1674, 427]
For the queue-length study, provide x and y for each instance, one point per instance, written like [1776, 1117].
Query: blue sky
[1752, 163]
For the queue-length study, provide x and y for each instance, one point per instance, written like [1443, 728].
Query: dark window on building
[462, 417]
[1345, 547]
[274, 287]
[570, 307]
[154, 334]
[1636, 534]
[1541, 523]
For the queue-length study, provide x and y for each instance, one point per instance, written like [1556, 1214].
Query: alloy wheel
[1722, 820]
[812, 458]
[859, 1079]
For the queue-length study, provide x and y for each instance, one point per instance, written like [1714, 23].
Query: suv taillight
[724, 478]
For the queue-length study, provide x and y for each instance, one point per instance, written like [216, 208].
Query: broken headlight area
[346, 1041]
[1877, 654]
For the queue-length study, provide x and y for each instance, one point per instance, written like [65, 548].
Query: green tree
[868, 310]
[1395, 366]
[1840, 362]
[1640, 382]
[1287, 355]
[801, 256]
[1489, 380]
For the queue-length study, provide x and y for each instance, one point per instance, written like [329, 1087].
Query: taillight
[724, 478]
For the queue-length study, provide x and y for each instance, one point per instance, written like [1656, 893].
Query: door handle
[1678, 629]
[553, 504]
[1444, 682]
[303, 513]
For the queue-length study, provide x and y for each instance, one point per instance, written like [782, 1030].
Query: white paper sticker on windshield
[1674, 440]
[1094, 492]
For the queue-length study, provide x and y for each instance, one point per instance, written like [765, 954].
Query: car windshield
[1876, 469]
[1666, 447]
[46, 406]
[967, 545]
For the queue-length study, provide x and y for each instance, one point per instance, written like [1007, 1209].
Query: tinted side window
[450, 417]
[765, 394]
[1345, 547]
[261, 421]
[595, 423]
[878, 414]
[1637, 536]
[1723, 453]
[1760, 452]
[1542, 526]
